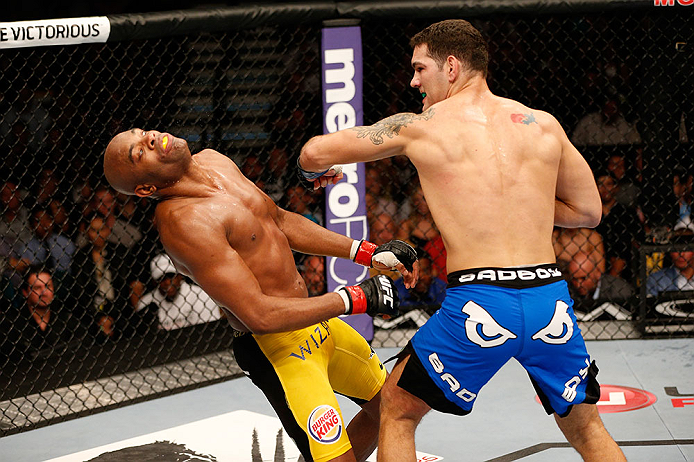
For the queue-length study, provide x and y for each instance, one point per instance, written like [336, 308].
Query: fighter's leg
[363, 429]
[356, 372]
[401, 412]
[299, 391]
[585, 431]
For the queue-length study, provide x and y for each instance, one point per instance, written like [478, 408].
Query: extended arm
[306, 236]
[198, 244]
[386, 138]
[577, 201]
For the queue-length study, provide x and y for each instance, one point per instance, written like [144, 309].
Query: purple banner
[343, 108]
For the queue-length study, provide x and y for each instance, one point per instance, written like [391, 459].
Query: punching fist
[385, 256]
[320, 179]
[375, 296]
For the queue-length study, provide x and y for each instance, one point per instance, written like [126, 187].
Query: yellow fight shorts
[299, 373]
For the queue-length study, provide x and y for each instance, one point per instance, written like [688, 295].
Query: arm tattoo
[390, 126]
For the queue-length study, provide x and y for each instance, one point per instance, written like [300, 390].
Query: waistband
[513, 278]
[238, 333]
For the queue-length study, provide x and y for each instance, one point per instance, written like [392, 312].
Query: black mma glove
[385, 256]
[375, 296]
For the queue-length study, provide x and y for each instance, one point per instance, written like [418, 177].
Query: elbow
[594, 214]
[259, 325]
[593, 219]
[310, 156]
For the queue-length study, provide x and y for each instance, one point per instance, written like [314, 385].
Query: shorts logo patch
[482, 329]
[559, 329]
[324, 424]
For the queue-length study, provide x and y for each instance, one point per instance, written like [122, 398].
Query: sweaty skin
[225, 233]
[496, 174]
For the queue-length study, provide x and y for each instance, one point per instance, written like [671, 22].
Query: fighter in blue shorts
[489, 316]
[498, 177]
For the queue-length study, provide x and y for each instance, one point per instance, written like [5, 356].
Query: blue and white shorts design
[489, 316]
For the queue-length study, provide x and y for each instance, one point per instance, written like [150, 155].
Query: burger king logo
[324, 424]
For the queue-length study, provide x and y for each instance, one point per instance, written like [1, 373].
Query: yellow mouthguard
[165, 141]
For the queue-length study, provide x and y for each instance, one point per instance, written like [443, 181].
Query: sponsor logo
[324, 424]
[482, 329]
[387, 289]
[510, 275]
[452, 382]
[673, 2]
[317, 338]
[614, 398]
[569, 393]
[46, 32]
[559, 329]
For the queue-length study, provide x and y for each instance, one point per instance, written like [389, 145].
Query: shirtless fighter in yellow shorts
[225, 233]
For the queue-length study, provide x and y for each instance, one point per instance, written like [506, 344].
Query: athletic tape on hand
[387, 259]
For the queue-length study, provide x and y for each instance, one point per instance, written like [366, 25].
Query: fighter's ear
[145, 190]
[454, 67]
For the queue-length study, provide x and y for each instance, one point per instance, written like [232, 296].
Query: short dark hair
[455, 37]
[36, 269]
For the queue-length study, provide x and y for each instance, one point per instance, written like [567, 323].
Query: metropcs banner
[46, 32]
[343, 108]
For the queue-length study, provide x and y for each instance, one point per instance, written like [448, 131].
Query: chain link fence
[93, 315]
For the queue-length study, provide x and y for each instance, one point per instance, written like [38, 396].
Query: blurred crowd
[81, 263]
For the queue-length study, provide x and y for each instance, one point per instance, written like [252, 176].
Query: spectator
[570, 241]
[621, 228]
[47, 194]
[382, 228]
[419, 229]
[253, 169]
[313, 272]
[39, 322]
[419, 303]
[682, 182]
[301, 202]
[628, 191]
[680, 274]
[122, 232]
[27, 112]
[429, 290]
[377, 198]
[588, 284]
[15, 232]
[47, 247]
[276, 174]
[105, 288]
[177, 303]
[605, 127]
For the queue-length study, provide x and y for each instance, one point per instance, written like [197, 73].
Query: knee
[398, 404]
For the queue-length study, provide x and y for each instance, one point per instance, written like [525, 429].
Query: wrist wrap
[310, 176]
[364, 253]
[357, 298]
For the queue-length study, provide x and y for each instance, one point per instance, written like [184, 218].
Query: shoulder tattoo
[390, 126]
[525, 119]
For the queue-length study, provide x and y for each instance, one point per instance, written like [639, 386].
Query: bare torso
[488, 168]
[246, 217]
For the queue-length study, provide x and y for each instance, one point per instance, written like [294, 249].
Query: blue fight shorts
[489, 316]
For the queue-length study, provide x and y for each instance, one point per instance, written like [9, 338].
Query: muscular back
[233, 222]
[488, 168]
